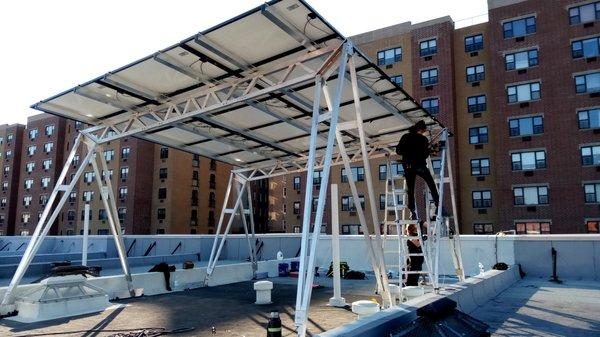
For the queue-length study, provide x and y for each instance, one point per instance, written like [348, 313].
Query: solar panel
[240, 92]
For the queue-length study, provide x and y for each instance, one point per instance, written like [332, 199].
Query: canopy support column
[307, 258]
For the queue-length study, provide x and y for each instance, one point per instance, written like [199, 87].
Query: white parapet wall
[578, 254]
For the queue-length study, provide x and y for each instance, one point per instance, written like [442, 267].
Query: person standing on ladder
[415, 263]
[414, 148]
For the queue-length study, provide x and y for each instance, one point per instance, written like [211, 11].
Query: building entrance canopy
[241, 92]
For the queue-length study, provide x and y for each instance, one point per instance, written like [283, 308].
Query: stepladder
[412, 261]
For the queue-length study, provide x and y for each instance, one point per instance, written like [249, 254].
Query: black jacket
[414, 149]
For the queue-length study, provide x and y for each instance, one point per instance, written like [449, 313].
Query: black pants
[411, 172]
[414, 264]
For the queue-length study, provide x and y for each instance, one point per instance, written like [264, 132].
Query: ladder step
[346, 126]
[62, 187]
[397, 176]
[228, 210]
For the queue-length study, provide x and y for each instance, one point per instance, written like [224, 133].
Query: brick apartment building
[11, 141]
[158, 190]
[521, 94]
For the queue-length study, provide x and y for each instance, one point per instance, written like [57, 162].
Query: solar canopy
[240, 92]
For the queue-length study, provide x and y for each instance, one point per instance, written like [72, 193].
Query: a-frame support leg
[307, 256]
[217, 246]
[109, 202]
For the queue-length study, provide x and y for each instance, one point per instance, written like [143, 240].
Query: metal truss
[210, 98]
[56, 201]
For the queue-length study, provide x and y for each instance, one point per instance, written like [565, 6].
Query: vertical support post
[242, 210]
[221, 218]
[252, 228]
[307, 267]
[337, 300]
[48, 217]
[108, 200]
[86, 229]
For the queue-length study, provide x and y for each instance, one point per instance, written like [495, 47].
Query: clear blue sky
[50, 46]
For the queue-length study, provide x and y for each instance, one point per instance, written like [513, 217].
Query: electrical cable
[139, 332]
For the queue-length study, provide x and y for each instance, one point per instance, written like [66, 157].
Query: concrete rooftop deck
[537, 307]
[532, 307]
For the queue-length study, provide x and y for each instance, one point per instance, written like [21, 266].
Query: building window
[10, 137]
[5, 186]
[589, 119]
[33, 134]
[317, 177]
[429, 76]
[473, 43]
[297, 183]
[164, 152]
[431, 105]
[521, 60]
[3, 202]
[45, 182]
[520, 27]
[296, 207]
[75, 160]
[475, 73]
[71, 215]
[478, 135]
[28, 183]
[358, 174]
[348, 203]
[103, 232]
[2, 220]
[398, 79]
[8, 154]
[29, 167]
[436, 166]
[83, 217]
[585, 13]
[428, 47]
[72, 196]
[212, 181]
[124, 173]
[532, 195]
[524, 161]
[47, 164]
[161, 214]
[382, 172]
[590, 155]
[476, 103]
[88, 177]
[483, 228]
[389, 56]
[88, 196]
[213, 164]
[390, 201]
[102, 214]
[109, 155]
[194, 197]
[123, 193]
[162, 193]
[31, 150]
[482, 199]
[162, 173]
[592, 193]
[532, 227]
[526, 126]
[585, 48]
[480, 167]
[49, 130]
[587, 83]
[212, 199]
[122, 212]
[196, 161]
[25, 217]
[125, 152]
[26, 200]
[523, 92]
[592, 226]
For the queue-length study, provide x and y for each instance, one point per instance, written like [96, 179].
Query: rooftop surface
[532, 307]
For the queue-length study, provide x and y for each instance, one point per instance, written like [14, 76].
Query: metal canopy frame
[247, 92]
